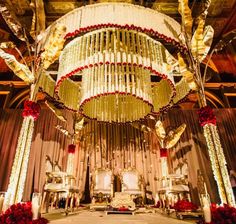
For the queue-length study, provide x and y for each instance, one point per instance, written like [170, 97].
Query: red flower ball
[31, 109]
[71, 148]
[163, 152]
[206, 116]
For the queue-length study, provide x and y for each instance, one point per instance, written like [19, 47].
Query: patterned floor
[87, 217]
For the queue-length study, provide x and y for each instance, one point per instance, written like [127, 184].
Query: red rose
[163, 152]
[31, 109]
[71, 148]
[206, 116]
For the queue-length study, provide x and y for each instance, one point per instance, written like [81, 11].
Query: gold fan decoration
[198, 44]
[141, 127]
[78, 124]
[54, 46]
[20, 70]
[168, 141]
[186, 73]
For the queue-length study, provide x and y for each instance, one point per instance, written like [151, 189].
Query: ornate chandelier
[115, 59]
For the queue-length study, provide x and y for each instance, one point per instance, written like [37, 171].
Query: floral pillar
[164, 165]
[70, 159]
[19, 169]
[207, 120]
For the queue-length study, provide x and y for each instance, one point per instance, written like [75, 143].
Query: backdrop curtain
[116, 148]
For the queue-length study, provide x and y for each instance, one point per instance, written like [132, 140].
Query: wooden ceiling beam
[16, 84]
[217, 85]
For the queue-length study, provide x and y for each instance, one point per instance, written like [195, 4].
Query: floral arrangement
[32, 109]
[123, 209]
[20, 213]
[184, 205]
[163, 152]
[221, 215]
[157, 205]
[206, 116]
[71, 148]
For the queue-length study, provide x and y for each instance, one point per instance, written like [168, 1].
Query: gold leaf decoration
[188, 76]
[186, 14]
[38, 20]
[12, 22]
[8, 44]
[20, 70]
[54, 46]
[79, 124]
[174, 136]
[64, 131]
[56, 111]
[141, 127]
[160, 131]
[202, 40]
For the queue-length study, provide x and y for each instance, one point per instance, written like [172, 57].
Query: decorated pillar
[198, 44]
[164, 165]
[207, 120]
[70, 159]
[19, 169]
[35, 77]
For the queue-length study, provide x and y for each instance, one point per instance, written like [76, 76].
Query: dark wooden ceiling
[221, 84]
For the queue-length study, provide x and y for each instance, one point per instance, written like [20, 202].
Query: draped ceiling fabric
[116, 147]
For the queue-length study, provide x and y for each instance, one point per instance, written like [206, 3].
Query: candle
[206, 210]
[207, 214]
[156, 199]
[35, 206]
[205, 202]
[205, 188]
[1, 202]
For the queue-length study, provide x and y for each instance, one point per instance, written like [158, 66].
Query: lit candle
[205, 188]
[35, 206]
[207, 214]
[156, 199]
[206, 210]
[1, 202]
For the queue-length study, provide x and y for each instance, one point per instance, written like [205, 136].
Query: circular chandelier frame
[107, 68]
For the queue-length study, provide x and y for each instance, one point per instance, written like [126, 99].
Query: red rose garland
[71, 148]
[31, 109]
[184, 205]
[20, 213]
[221, 215]
[163, 152]
[206, 116]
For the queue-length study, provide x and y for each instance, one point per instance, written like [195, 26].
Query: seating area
[173, 188]
[102, 190]
[58, 186]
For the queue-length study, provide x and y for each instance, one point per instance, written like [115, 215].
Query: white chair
[58, 184]
[132, 183]
[174, 188]
[102, 182]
